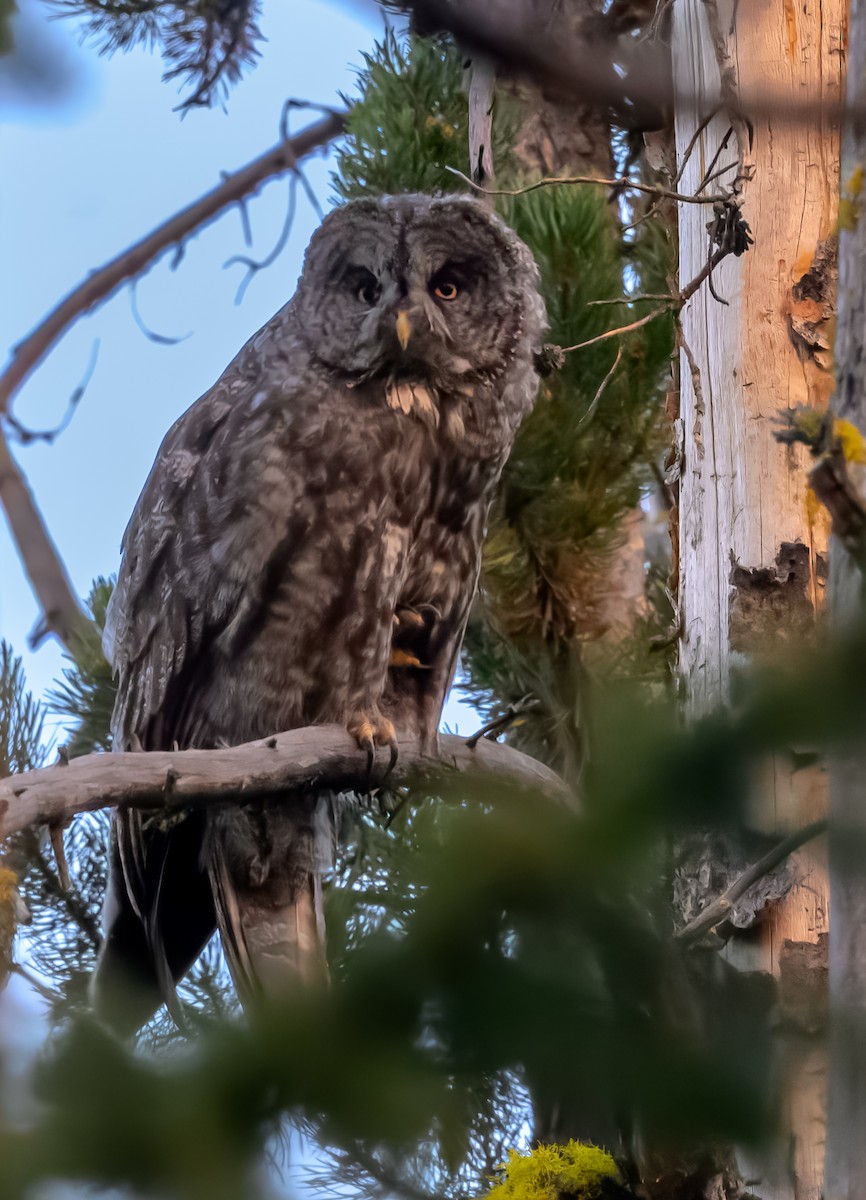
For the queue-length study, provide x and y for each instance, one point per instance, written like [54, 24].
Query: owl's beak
[404, 328]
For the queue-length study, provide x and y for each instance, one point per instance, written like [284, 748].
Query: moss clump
[552, 1172]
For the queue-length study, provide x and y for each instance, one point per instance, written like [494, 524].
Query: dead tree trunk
[753, 545]
[846, 1145]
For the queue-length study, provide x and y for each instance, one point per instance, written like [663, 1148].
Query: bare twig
[302, 758]
[26, 435]
[161, 339]
[591, 411]
[603, 337]
[636, 299]
[692, 142]
[499, 724]
[723, 144]
[706, 270]
[715, 175]
[105, 281]
[252, 265]
[720, 908]
[621, 184]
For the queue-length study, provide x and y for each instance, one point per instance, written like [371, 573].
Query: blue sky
[84, 176]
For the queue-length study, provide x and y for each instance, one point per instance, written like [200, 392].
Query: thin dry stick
[635, 299]
[706, 270]
[104, 282]
[692, 142]
[621, 184]
[253, 266]
[603, 337]
[591, 411]
[720, 908]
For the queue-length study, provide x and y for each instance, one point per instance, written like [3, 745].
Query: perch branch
[318, 756]
[103, 282]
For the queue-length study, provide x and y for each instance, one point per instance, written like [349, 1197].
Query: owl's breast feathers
[250, 597]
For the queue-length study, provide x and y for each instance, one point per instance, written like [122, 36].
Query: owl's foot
[370, 729]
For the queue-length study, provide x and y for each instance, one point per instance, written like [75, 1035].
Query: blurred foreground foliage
[521, 939]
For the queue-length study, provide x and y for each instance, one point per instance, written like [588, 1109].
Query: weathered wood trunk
[846, 1133]
[753, 546]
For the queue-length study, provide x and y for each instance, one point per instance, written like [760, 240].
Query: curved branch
[318, 756]
[62, 613]
[102, 283]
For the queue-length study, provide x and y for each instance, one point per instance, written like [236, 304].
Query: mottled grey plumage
[305, 550]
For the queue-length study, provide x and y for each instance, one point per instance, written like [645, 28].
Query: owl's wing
[212, 516]
[210, 520]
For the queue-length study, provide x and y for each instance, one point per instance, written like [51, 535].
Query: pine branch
[318, 756]
[75, 908]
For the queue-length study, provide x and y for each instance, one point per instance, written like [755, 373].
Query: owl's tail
[266, 862]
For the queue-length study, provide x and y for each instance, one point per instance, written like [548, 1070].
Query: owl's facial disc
[415, 289]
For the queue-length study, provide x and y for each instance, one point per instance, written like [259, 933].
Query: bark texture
[276, 766]
[846, 1144]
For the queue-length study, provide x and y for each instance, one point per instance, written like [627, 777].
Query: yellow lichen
[851, 440]
[814, 507]
[849, 202]
[854, 186]
[554, 1172]
[8, 910]
[441, 124]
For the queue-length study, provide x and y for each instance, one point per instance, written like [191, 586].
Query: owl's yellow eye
[446, 290]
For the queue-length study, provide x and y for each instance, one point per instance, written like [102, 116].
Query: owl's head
[415, 287]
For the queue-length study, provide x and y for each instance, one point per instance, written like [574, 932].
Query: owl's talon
[392, 762]
[368, 745]
[371, 730]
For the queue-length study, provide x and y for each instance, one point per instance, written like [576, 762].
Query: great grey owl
[305, 550]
